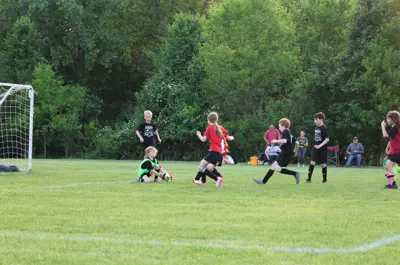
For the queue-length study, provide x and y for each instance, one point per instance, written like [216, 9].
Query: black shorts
[395, 158]
[140, 179]
[319, 156]
[214, 158]
[284, 160]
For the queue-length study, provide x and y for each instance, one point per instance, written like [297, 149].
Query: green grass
[106, 220]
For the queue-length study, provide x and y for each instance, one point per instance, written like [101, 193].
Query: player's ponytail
[395, 117]
[213, 118]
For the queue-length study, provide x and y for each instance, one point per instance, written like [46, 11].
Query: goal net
[16, 126]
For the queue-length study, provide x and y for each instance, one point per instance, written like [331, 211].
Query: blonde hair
[394, 115]
[213, 118]
[285, 123]
[148, 150]
[147, 113]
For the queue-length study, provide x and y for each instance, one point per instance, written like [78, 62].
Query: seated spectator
[271, 153]
[354, 150]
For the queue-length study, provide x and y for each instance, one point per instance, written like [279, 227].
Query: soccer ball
[168, 177]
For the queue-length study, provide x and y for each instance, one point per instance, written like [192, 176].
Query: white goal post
[16, 127]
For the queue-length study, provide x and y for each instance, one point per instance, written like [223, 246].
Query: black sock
[210, 174]
[199, 175]
[216, 173]
[268, 175]
[203, 178]
[310, 171]
[288, 172]
[324, 172]
[158, 171]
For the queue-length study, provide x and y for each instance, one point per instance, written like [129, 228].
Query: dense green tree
[57, 109]
[253, 61]
[250, 54]
[20, 52]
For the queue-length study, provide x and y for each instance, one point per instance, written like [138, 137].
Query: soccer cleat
[258, 181]
[198, 182]
[394, 185]
[388, 187]
[138, 179]
[218, 183]
[307, 181]
[324, 181]
[297, 177]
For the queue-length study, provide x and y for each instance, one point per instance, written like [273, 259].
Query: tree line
[96, 65]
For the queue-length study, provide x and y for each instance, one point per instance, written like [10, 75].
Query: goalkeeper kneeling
[149, 166]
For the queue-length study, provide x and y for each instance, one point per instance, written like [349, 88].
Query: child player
[216, 136]
[147, 130]
[393, 158]
[319, 153]
[285, 156]
[149, 166]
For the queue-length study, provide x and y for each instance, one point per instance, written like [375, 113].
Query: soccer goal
[16, 127]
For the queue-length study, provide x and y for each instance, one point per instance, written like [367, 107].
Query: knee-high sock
[310, 171]
[199, 175]
[325, 172]
[216, 173]
[268, 175]
[288, 172]
[209, 173]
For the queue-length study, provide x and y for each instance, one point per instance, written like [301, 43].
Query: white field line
[90, 183]
[75, 238]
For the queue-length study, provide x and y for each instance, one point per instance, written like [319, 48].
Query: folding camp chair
[333, 155]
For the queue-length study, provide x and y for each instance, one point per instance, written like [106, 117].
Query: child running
[393, 158]
[216, 136]
[285, 156]
[150, 166]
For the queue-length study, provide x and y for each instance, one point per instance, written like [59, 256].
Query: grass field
[92, 212]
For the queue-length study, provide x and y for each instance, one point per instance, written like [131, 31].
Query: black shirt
[148, 165]
[147, 131]
[287, 147]
[321, 133]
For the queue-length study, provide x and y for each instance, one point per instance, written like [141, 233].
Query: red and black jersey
[217, 144]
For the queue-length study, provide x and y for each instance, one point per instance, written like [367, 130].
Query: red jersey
[217, 144]
[394, 142]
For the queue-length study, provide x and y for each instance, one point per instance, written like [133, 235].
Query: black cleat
[394, 185]
[307, 181]
[324, 181]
